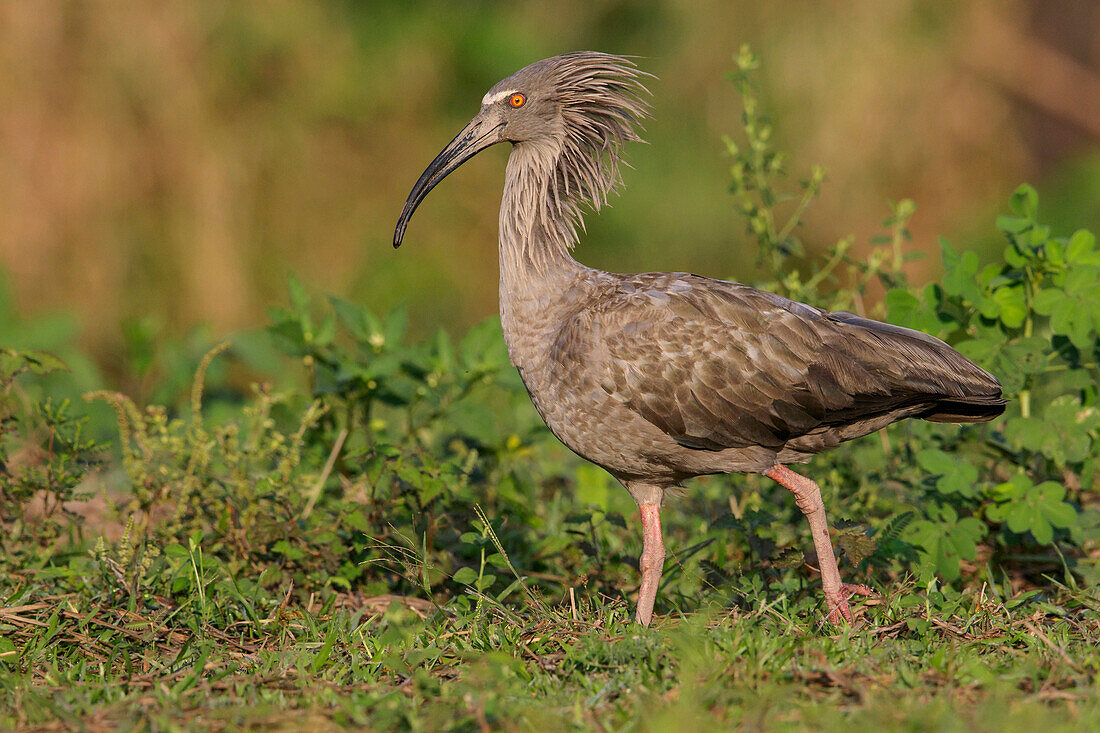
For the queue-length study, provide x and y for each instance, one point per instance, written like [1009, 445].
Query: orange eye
[517, 100]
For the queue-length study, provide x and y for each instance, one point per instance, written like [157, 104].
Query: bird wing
[720, 365]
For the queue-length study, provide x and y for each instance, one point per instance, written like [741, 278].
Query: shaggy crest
[602, 105]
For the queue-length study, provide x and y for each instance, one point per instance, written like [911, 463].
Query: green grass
[388, 662]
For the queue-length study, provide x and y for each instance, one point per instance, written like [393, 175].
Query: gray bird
[659, 377]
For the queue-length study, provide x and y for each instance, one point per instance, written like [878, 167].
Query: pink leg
[807, 496]
[652, 561]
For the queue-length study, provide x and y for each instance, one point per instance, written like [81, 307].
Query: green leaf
[1025, 201]
[37, 362]
[444, 351]
[1013, 224]
[944, 540]
[1011, 360]
[905, 309]
[395, 323]
[1081, 249]
[960, 273]
[497, 560]
[326, 332]
[957, 476]
[1049, 497]
[353, 317]
[727, 521]
[287, 550]
[298, 296]
[43, 362]
[483, 348]
[1061, 434]
[616, 519]
[986, 347]
[466, 576]
[935, 461]
[1035, 509]
[1018, 517]
[176, 550]
[477, 421]
[1015, 488]
[1014, 257]
[1028, 355]
[1074, 308]
[325, 651]
[1011, 305]
[9, 653]
[594, 485]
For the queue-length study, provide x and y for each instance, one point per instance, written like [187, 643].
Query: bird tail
[965, 409]
[956, 389]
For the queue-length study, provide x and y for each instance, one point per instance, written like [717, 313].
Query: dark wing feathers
[719, 365]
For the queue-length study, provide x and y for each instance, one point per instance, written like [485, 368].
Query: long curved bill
[479, 134]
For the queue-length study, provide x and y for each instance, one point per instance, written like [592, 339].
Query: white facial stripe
[496, 97]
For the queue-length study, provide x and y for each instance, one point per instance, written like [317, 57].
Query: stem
[808, 197]
[480, 575]
[1029, 296]
[836, 259]
[1064, 367]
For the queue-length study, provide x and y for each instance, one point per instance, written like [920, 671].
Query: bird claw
[838, 603]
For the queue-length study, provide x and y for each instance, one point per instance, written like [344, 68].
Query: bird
[660, 377]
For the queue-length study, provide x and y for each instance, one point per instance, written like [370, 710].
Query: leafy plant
[245, 484]
[1013, 316]
[45, 456]
[1031, 318]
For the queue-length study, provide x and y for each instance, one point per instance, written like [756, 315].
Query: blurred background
[167, 164]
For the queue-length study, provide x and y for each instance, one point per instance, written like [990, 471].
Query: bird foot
[838, 602]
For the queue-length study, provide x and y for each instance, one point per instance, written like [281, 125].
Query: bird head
[578, 109]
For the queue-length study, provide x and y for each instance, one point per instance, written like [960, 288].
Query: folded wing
[719, 365]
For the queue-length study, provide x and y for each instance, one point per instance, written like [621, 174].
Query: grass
[237, 657]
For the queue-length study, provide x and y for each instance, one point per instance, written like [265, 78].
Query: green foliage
[248, 486]
[235, 654]
[953, 477]
[1027, 319]
[381, 389]
[755, 166]
[45, 454]
[426, 432]
[1031, 319]
[1036, 509]
[758, 177]
[944, 539]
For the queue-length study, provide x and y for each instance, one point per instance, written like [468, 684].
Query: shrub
[1018, 493]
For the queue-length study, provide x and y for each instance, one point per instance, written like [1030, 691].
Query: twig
[1058, 649]
[332, 456]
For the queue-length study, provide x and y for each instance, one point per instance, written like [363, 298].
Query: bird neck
[537, 224]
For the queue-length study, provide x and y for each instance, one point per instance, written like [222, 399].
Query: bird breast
[560, 354]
